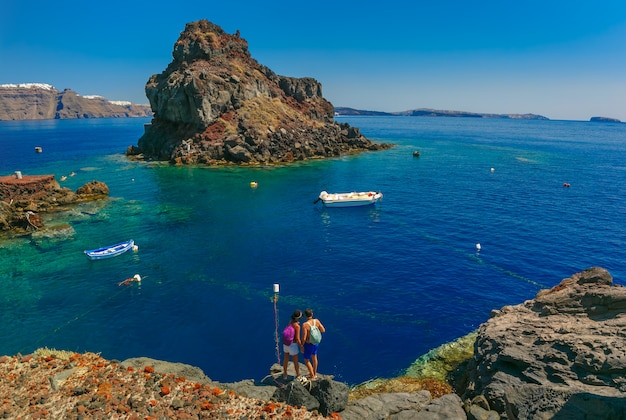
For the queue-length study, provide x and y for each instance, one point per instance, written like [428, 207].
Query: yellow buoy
[254, 184]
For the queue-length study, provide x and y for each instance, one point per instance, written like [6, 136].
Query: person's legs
[285, 365]
[296, 365]
[309, 367]
[308, 350]
[314, 359]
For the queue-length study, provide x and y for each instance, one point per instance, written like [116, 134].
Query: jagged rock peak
[202, 40]
[215, 104]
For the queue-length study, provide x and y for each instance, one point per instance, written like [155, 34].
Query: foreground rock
[23, 198]
[561, 355]
[40, 101]
[215, 104]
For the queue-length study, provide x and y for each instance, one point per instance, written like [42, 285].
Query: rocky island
[41, 101]
[214, 104]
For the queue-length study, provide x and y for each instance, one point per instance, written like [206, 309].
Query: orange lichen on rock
[89, 386]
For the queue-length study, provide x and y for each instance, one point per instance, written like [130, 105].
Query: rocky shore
[24, 197]
[561, 355]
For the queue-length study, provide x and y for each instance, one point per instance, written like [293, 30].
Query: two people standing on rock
[293, 343]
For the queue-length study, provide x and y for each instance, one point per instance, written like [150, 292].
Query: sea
[491, 212]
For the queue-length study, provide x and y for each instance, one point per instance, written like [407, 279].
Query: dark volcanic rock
[21, 199]
[38, 101]
[215, 104]
[563, 352]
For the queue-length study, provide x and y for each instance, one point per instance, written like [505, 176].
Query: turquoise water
[390, 282]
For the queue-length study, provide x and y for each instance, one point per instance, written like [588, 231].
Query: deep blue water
[389, 282]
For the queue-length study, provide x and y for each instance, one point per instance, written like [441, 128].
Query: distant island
[426, 112]
[40, 101]
[604, 119]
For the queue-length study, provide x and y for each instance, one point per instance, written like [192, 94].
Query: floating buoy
[478, 247]
[493, 169]
[254, 184]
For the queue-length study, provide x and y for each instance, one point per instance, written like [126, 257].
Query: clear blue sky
[560, 59]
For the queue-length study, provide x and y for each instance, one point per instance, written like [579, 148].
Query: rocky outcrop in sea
[24, 197]
[40, 101]
[215, 104]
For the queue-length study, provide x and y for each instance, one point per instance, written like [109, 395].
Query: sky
[565, 60]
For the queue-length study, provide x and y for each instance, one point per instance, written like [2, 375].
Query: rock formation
[215, 104]
[23, 197]
[561, 355]
[38, 101]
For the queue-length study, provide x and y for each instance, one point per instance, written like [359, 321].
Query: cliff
[38, 101]
[215, 104]
[560, 355]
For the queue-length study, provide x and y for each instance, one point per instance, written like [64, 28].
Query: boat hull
[353, 199]
[109, 251]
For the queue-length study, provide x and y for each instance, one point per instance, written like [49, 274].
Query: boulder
[294, 393]
[537, 359]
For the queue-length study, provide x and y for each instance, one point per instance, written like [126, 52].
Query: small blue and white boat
[110, 251]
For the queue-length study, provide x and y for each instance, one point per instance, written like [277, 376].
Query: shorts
[292, 349]
[309, 350]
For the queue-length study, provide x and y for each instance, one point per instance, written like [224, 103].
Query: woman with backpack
[292, 343]
[311, 336]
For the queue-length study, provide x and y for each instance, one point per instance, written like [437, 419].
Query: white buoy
[493, 169]
[254, 184]
[477, 247]
[276, 287]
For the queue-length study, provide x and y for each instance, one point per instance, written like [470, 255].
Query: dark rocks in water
[23, 197]
[215, 104]
[558, 353]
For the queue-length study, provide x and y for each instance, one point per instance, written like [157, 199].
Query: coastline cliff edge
[560, 355]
